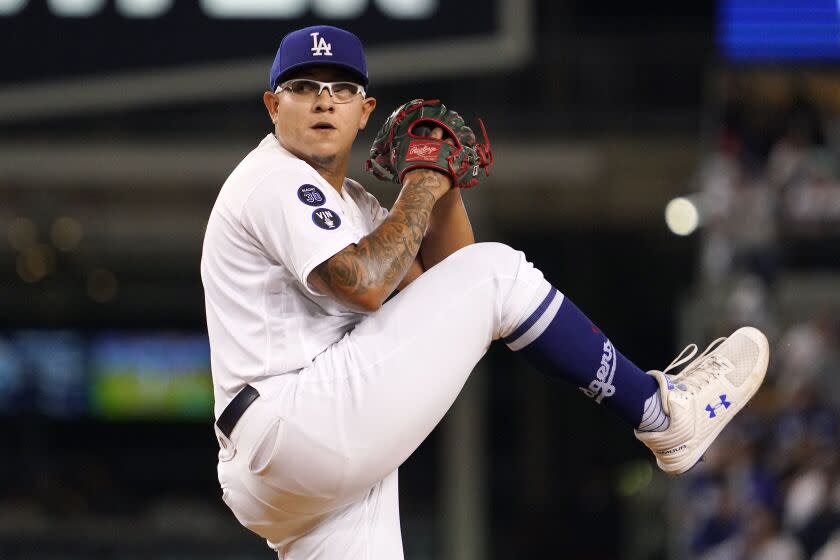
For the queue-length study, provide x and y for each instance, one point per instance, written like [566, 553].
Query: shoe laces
[701, 370]
[705, 369]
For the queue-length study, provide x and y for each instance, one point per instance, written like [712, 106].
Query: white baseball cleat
[702, 399]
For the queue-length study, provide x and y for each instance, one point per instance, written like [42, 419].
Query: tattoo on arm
[379, 261]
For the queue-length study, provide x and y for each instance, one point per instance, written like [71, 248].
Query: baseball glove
[405, 142]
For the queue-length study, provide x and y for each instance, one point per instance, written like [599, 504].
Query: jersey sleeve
[378, 214]
[369, 205]
[297, 222]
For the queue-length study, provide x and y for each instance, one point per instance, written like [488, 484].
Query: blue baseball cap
[318, 45]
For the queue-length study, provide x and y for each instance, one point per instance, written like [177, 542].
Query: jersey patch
[325, 218]
[311, 195]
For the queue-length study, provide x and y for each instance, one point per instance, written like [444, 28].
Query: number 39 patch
[325, 218]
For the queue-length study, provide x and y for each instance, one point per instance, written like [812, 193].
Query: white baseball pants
[311, 465]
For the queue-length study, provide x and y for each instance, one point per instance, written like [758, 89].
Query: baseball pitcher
[322, 389]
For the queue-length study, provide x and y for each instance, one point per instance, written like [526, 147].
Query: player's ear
[368, 105]
[270, 101]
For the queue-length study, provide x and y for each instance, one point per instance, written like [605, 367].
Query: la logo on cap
[320, 46]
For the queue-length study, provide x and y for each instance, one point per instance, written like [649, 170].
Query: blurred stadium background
[119, 121]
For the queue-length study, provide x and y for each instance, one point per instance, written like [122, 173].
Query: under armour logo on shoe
[723, 403]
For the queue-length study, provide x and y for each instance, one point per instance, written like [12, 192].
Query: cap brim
[300, 66]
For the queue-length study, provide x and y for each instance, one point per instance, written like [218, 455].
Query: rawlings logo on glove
[404, 143]
[422, 151]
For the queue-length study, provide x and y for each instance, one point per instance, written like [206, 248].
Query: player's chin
[323, 158]
[327, 149]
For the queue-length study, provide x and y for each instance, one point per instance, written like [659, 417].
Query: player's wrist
[436, 182]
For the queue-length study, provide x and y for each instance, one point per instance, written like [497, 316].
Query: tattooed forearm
[372, 269]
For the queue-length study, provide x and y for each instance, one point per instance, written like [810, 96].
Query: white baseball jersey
[345, 398]
[274, 221]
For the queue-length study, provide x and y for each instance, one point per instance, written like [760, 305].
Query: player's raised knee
[488, 251]
[496, 256]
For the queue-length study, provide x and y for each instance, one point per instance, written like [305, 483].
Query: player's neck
[332, 168]
[336, 179]
[333, 171]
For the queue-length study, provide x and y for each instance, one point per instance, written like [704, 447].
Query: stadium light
[682, 216]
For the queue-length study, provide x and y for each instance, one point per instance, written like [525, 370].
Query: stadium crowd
[769, 489]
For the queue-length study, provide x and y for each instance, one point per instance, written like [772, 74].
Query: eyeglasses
[341, 92]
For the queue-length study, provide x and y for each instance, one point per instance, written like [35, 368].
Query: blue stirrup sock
[560, 341]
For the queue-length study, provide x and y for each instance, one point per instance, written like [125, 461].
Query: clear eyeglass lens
[303, 87]
[344, 91]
